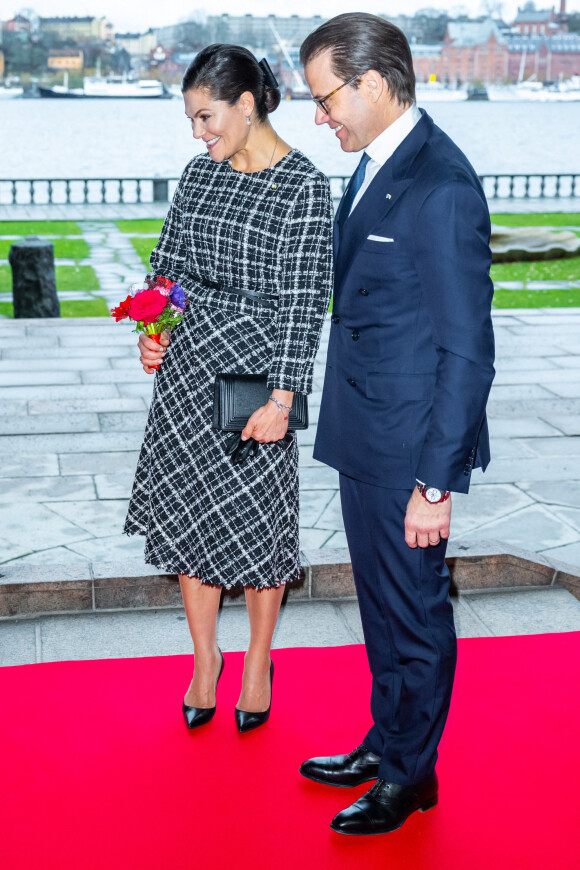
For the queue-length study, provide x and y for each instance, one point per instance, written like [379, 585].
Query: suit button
[335, 318]
[363, 292]
[355, 335]
[352, 382]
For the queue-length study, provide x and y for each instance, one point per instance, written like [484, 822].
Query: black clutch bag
[236, 397]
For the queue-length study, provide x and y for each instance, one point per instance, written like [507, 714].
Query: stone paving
[73, 404]
[301, 624]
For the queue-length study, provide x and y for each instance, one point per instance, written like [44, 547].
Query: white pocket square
[379, 239]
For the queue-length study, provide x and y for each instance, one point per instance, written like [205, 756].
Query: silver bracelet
[279, 405]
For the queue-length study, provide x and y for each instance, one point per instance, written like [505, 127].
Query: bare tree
[492, 8]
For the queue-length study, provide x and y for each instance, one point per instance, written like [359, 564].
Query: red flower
[164, 282]
[122, 310]
[147, 306]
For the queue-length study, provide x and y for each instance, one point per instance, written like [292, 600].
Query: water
[69, 138]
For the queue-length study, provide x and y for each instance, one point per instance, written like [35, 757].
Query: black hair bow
[269, 78]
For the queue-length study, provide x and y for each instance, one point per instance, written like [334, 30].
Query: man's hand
[151, 353]
[426, 524]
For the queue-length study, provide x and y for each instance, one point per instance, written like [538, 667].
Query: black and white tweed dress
[267, 232]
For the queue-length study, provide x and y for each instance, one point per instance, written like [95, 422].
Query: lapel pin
[389, 196]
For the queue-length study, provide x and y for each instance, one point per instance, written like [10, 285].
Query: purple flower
[177, 296]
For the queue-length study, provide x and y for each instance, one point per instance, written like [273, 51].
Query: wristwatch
[432, 494]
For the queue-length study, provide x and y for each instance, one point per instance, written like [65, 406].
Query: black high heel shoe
[247, 721]
[196, 716]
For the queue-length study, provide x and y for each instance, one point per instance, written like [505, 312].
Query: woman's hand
[268, 423]
[151, 353]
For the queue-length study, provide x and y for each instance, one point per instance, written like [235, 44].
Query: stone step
[28, 590]
[301, 623]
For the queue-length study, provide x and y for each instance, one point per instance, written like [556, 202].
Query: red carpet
[98, 772]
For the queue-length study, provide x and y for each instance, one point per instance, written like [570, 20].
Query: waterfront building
[474, 51]
[426, 61]
[77, 29]
[546, 58]
[253, 31]
[18, 24]
[540, 22]
[137, 45]
[65, 58]
[485, 51]
[257, 30]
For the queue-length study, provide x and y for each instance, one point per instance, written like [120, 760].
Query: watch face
[433, 495]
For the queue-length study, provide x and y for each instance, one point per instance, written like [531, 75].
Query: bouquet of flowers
[156, 305]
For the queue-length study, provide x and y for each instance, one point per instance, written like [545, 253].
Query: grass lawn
[144, 248]
[81, 278]
[545, 219]
[5, 279]
[567, 269]
[140, 226]
[74, 308]
[537, 298]
[69, 249]
[39, 228]
[77, 278]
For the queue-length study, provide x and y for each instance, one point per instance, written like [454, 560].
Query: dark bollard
[33, 278]
[160, 190]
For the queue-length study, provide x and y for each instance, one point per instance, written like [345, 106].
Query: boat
[10, 93]
[477, 93]
[531, 90]
[119, 87]
[61, 92]
[107, 87]
[437, 92]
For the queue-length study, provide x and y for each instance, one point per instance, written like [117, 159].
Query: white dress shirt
[385, 145]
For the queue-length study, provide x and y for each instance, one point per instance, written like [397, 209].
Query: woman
[248, 236]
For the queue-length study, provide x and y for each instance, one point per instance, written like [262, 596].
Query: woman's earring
[248, 121]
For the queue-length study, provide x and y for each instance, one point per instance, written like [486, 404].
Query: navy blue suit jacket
[410, 358]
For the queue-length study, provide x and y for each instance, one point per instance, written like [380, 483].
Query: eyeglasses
[321, 101]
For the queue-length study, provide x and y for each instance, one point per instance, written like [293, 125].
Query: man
[409, 369]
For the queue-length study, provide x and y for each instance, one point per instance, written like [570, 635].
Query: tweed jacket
[267, 232]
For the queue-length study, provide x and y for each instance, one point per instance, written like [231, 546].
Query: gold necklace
[271, 158]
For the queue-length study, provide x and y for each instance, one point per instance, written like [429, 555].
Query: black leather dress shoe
[196, 716]
[385, 807]
[247, 721]
[344, 771]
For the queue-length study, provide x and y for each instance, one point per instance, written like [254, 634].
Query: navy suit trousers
[408, 627]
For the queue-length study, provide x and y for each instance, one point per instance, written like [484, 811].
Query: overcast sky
[135, 15]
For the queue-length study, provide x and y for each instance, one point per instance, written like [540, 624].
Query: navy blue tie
[353, 188]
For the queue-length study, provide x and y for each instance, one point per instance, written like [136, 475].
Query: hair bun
[271, 99]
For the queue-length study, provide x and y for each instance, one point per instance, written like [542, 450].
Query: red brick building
[540, 22]
[18, 24]
[537, 44]
[546, 58]
[473, 51]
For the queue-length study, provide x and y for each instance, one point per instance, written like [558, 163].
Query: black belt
[249, 294]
